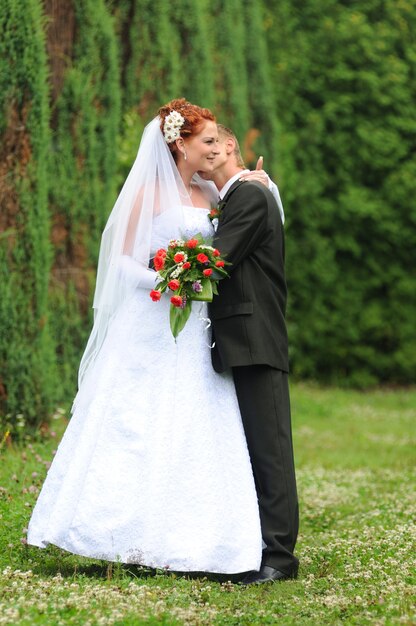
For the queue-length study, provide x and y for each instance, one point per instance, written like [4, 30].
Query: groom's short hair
[227, 132]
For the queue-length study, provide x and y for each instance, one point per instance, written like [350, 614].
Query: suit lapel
[223, 203]
[233, 187]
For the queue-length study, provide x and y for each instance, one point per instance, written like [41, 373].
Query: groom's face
[222, 156]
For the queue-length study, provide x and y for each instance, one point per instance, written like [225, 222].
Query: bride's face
[202, 148]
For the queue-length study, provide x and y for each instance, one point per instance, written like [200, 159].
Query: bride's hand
[258, 174]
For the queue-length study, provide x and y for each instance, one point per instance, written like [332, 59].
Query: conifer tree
[345, 98]
[227, 22]
[261, 98]
[153, 72]
[27, 374]
[190, 19]
[82, 170]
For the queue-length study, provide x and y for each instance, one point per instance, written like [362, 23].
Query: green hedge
[27, 383]
[324, 90]
[82, 166]
[345, 101]
[64, 179]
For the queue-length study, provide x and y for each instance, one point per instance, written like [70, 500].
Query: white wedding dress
[156, 471]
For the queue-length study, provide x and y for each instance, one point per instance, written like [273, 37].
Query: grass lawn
[355, 454]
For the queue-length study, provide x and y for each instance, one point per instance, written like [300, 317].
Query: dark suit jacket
[248, 315]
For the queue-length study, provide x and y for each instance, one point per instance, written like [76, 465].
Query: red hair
[194, 115]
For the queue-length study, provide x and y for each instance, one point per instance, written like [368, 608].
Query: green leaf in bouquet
[219, 273]
[193, 276]
[206, 241]
[206, 294]
[178, 317]
[162, 286]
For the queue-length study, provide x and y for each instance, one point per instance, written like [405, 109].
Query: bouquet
[190, 270]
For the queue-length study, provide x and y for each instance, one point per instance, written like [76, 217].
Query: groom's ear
[229, 145]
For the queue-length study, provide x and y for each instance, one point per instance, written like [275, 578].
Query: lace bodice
[196, 221]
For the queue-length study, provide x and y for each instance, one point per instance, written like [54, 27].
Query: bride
[153, 468]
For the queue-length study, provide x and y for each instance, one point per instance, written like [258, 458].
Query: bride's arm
[262, 177]
[136, 274]
[275, 191]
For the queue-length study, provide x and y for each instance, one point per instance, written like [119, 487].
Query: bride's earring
[184, 155]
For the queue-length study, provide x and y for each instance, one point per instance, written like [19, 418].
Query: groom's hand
[258, 174]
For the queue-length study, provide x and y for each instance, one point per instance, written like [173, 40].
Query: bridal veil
[152, 188]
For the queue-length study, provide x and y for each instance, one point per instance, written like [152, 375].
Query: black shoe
[267, 574]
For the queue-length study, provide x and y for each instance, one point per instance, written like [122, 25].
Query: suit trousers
[263, 397]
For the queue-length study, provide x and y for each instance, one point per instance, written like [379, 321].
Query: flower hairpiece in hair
[173, 123]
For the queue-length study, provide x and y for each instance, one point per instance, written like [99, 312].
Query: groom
[248, 322]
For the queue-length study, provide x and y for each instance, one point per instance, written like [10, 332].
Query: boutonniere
[216, 211]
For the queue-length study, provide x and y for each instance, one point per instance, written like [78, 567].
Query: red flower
[159, 263]
[207, 272]
[192, 243]
[173, 244]
[186, 265]
[161, 252]
[216, 252]
[174, 284]
[219, 264]
[155, 295]
[179, 256]
[202, 258]
[214, 213]
[176, 301]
